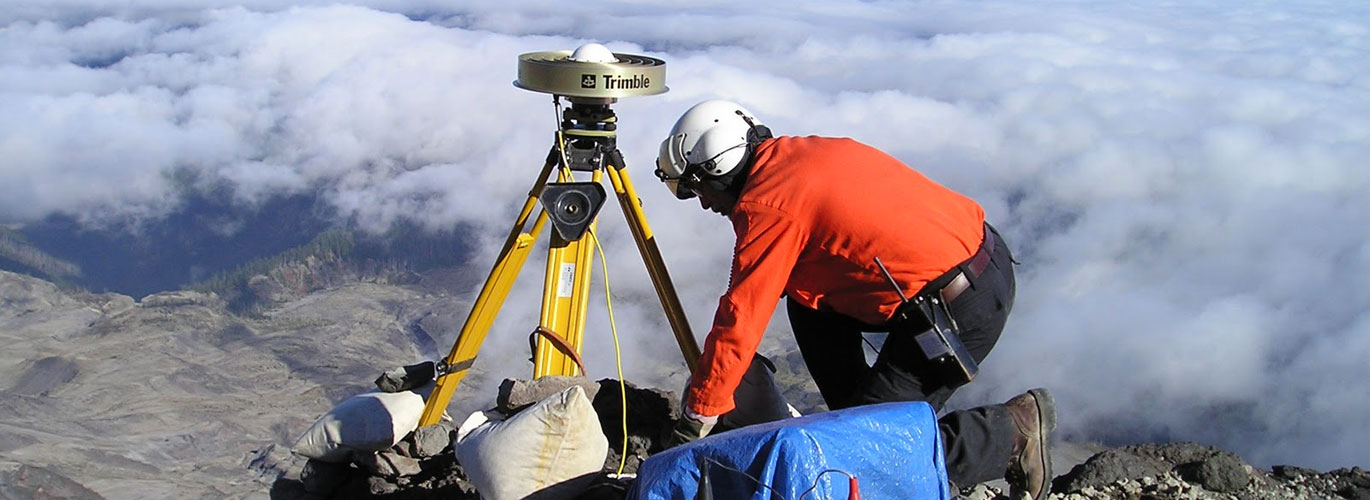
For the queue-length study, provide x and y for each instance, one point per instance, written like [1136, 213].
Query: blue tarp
[894, 450]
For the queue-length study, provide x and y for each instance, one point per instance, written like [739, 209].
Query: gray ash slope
[174, 396]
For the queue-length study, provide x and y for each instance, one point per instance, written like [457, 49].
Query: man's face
[711, 199]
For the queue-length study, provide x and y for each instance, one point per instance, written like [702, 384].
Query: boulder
[387, 464]
[515, 394]
[1106, 468]
[407, 377]
[322, 478]
[431, 440]
[1221, 473]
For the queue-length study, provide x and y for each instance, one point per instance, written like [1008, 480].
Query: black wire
[772, 490]
[748, 476]
[819, 478]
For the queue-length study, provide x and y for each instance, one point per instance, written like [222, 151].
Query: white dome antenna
[593, 53]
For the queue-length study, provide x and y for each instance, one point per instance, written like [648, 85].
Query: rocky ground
[172, 396]
[1180, 471]
[1189, 471]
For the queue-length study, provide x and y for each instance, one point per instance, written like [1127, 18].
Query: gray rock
[321, 478]
[980, 492]
[1222, 473]
[407, 377]
[515, 394]
[378, 486]
[1290, 472]
[1353, 483]
[431, 440]
[650, 415]
[111, 303]
[387, 464]
[180, 298]
[1177, 454]
[269, 462]
[1106, 468]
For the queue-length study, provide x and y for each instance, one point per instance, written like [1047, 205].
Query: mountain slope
[173, 396]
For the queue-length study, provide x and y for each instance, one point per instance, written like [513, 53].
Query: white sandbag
[367, 422]
[549, 451]
[758, 398]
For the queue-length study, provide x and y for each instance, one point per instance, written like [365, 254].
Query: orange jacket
[812, 217]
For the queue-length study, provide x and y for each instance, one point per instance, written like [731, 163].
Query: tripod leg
[491, 298]
[651, 256]
[565, 300]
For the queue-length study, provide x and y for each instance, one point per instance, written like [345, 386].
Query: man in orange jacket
[812, 215]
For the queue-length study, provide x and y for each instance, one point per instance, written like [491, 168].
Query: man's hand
[690, 427]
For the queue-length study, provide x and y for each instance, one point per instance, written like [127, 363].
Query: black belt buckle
[941, 343]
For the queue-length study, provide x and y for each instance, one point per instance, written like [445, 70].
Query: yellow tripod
[586, 142]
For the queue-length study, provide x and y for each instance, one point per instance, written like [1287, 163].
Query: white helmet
[709, 142]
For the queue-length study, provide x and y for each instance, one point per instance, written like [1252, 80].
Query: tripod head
[592, 78]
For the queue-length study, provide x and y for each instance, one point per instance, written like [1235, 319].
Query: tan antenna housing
[556, 72]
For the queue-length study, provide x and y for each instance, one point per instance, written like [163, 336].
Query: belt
[975, 266]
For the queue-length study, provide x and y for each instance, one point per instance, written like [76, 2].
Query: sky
[1184, 183]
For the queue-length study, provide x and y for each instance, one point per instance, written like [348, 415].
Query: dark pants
[979, 441]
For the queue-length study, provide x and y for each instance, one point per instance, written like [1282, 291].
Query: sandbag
[894, 449]
[549, 451]
[367, 423]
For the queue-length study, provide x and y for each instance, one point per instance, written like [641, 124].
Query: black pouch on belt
[927, 318]
[941, 342]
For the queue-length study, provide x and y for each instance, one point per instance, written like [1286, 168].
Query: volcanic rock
[321, 478]
[517, 394]
[406, 377]
[1221, 473]
[650, 414]
[431, 440]
[388, 464]
[1106, 468]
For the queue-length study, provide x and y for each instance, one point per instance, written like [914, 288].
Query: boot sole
[1046, 423]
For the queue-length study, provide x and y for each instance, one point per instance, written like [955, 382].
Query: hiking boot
[1029, 470]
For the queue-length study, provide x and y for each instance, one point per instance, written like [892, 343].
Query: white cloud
[1185, 184]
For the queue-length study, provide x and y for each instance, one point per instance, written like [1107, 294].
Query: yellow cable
[618, 358]
[608, 301]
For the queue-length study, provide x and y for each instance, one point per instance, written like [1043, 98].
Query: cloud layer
[1184, 184]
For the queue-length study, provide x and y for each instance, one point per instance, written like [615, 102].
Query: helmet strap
[731, 182]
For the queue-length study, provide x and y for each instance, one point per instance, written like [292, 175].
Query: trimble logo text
[615, 82]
